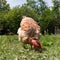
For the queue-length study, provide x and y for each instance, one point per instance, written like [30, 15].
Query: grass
[11, 48]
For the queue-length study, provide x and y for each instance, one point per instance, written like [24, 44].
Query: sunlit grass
[11, 48]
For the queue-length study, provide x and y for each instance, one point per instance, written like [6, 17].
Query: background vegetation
[47, 17]
[11, 48]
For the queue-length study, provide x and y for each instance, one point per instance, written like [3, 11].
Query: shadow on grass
[41, 50]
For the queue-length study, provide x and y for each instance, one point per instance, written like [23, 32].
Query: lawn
[11, 48]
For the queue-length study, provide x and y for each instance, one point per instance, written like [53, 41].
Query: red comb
[36, 44]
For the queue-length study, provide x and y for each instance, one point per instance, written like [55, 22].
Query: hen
[29, 32]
